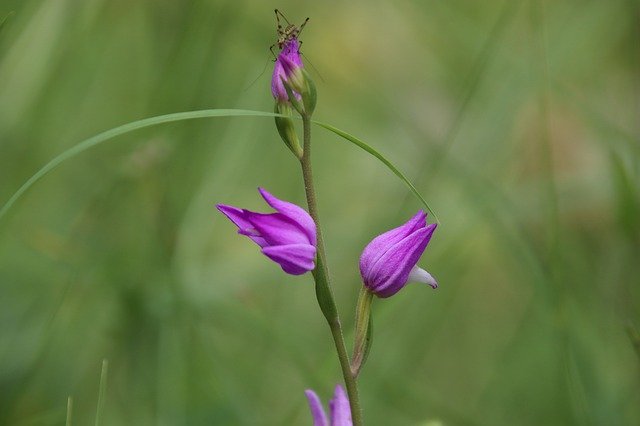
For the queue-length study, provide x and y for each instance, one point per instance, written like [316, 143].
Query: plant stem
[321, 277]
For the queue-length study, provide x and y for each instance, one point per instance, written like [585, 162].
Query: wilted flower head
[288, 237]
[339, 409]
[288, 67]
[388, 262]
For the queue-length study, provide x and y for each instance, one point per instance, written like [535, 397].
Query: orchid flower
[389, 261]
[288, 237]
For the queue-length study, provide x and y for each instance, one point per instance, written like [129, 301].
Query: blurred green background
[519, 121]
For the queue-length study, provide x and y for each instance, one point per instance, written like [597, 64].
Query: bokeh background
[518, 120]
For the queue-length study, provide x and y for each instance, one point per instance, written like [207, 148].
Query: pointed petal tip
[339, 391]
[224, 208]
[266, 195]
[317, 411]
[234, 214]
[418, 220]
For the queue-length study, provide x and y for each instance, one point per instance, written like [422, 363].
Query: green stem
[321, 277]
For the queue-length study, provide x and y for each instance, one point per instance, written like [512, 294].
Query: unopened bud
[364, 331]
[290, 82]
[286, 129]
[290, 57]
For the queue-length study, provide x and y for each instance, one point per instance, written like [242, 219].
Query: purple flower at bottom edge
[288, 237]
[339, 409]
[389, 261]
[287, 62]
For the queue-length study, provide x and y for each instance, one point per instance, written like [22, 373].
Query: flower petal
[296, 213]
[319, 417]
[292, 51]
[295, 259]
[237, 216]
[277, 88]
[419, 275]
[391, 271]
[288, 65]
[339, 409]
[276, 228]
[379, 245]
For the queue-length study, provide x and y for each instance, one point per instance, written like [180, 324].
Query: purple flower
[288, 64]
[339, 409]
[287, 237]
[388, 262]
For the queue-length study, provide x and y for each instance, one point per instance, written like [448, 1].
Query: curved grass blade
[190, 115]
[125, 128]
[368, 148]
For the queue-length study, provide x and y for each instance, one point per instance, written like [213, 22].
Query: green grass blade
[102, 392]
[69, 411]
[368, 148]
[121, 130]
[190, 115]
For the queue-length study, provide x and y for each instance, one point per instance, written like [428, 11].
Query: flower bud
[363, 333]
[290, 82]
[286, 129]
[290, 56]
[388, 262]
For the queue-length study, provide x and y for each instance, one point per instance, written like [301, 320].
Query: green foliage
[517, 120]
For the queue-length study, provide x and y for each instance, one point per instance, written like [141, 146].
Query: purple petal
[391, 271]
[319, 417]
[339, 409]
[291, 50]
[288, 66]
[277, 88]
[277, 229]
[379, 245]
[295, 259]
[237, 216]
[293, 212]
